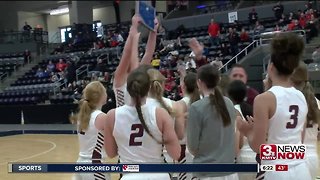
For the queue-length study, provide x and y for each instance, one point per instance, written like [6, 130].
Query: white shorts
[297, 172]
[313, 164]
[229, 177]
[146, 176]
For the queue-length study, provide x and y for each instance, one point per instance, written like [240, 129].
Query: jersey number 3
[136, 134]
[294, 109]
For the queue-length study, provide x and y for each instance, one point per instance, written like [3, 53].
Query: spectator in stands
[27, 28]
[283, 21]
[277, 28]
[51, 67]
[156, 61]
[27, 56]
[100, 44]
[190, 64]
[253, 16]
[292, 16]
[244, 36]
[224, 50]
[311, 30]
[258, 28]
[100, 66]
[239, 73]
[214, 33]
[119, 37]
[302, 20]
[40, 72]
[61, 65]
[278, 10]
[70, 72]
[57, 50]
[234, 41]
[316, 55]
[236, 25]
[292, 25]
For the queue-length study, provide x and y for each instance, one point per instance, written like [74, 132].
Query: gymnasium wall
[33, 19]
[54, 22]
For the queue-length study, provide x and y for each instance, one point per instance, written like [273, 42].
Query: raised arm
[121, 73]
[151, 44]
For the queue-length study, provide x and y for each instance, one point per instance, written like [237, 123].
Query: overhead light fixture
[59, 11]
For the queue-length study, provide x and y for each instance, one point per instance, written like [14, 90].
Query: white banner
[232, 16]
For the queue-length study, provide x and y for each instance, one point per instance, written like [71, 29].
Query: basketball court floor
[40, 143]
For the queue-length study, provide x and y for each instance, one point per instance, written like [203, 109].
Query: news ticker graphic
[129, 168]
[282, 151]
[277, 167]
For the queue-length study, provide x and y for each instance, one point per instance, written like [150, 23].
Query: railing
[3, 76]
[24, 36]
[81, 70]
[253, 44]
[266, 37]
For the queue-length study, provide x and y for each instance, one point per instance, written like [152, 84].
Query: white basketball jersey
[134, 143]
[286, 125]
[91, 141]
[186, 100]
[122, 95]
[154, 102]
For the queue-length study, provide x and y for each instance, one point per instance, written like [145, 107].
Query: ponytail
[157, 92]
[83, 116]
[313, 110]
[218, 101]
[194, 96]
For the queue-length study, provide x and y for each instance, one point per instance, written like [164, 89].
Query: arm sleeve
[193, 130]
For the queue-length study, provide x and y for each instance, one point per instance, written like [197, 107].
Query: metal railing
[3, 76]
[236, 58]
[81, 70]
[266, 37]
[24, 36]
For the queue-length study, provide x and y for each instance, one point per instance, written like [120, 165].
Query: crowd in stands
[219, 42]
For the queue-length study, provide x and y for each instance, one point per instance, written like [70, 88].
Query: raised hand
[156, 24]
[245, 127]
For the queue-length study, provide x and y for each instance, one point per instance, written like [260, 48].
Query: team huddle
[210, 124]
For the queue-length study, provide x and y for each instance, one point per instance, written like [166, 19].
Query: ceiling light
[59, 11]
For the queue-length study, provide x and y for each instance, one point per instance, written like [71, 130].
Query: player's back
[134, 143]
[91, 141]
[286, 125]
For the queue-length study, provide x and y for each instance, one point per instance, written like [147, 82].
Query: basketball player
[280, 113]
[191, 94]
[130, 61]
[137, 131]
[90, 124]
[155, 98]
[211, 125]
[237, 91]
[299, 79]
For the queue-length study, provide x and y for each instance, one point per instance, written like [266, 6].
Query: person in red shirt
[61, 65]
[302, 21]
[292, 25]
[244, 35]
[214, 32]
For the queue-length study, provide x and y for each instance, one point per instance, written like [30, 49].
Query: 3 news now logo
[130, 168]
[282, 151]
